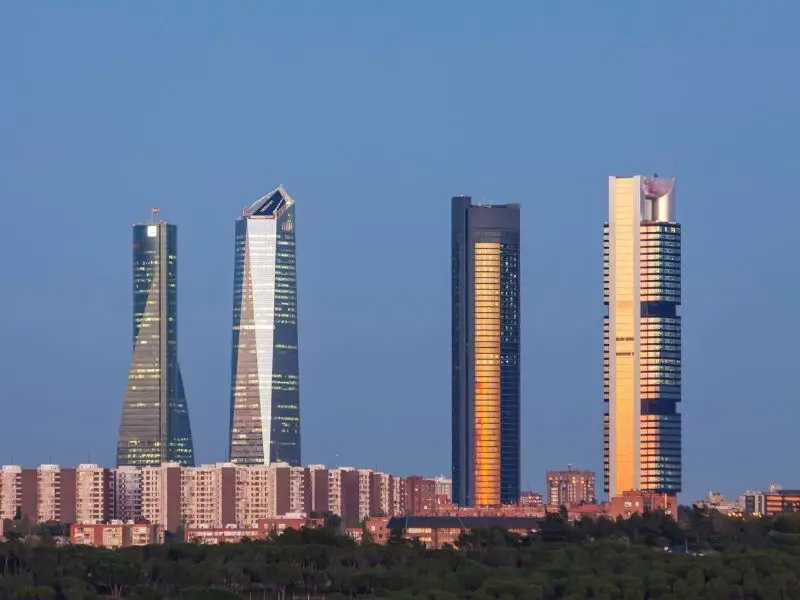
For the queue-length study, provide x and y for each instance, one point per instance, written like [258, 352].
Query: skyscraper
[642, 337]
[486, 353]
[155, 417]
[265, 380]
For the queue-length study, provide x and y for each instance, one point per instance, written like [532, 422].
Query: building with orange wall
[642, 337]
[486, 353]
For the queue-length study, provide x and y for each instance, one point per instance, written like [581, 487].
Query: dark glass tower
[486, 353]
[265, 377]
[155, 417]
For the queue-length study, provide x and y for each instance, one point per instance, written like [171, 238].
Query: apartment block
[299, 491]
[161, 495]
[571, 486]
[126, 493]
[48, 494]
[365, 494]
[420, 495]
[10, 491]
[208, 495]
[255, 494]
[319, 501]
[93, 502]
[343, 495]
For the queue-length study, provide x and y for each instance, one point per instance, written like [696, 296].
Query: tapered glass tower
[265, 379]
[155, 417]
[486, 353]
[642, 337]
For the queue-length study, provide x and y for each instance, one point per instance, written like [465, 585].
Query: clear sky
[373, 114]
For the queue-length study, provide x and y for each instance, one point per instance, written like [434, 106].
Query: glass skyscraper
[155, 417]
[642, 337]
[486, 353]
[265, 378]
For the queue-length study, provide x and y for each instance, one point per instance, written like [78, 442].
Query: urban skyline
[641, 289]
[642, 444]
[200, 113]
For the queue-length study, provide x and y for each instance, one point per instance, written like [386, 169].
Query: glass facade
[265, 379]
[486, 358]
[155, 417]
[642, 337]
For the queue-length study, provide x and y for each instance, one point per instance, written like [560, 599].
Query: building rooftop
[270, 205]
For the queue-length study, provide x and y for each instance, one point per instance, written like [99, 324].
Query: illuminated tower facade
[265, 377]
[642, 337]
[155, 417]
[486, 353]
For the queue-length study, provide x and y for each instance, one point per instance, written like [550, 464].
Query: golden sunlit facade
[486, 375]
[642, 353]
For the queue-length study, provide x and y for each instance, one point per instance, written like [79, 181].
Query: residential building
[93, 502]
[343, 495]
[420, 495]
[444, 487]
[642, 337]
[155, 428]
[564, 488]
[48, 494]
[319, 485]
[265, 379]
[378, 529]
[256, 485]
[161, 495]
[208, 495]
[365, 494]
[10, 491]
[486, 353]
[126, 491]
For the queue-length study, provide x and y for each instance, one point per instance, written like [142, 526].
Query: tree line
[702, 555]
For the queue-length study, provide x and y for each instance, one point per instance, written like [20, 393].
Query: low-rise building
[635, 502]
[718, 502]
[435, 532]
[530, 499]
[260, 530]
[115, 534]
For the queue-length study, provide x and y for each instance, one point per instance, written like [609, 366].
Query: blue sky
[373, 114]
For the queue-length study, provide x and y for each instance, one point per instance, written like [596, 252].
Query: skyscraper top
[270, 205]
[482, 204]
[656, 197]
